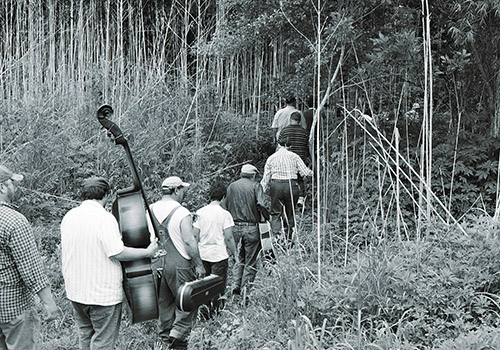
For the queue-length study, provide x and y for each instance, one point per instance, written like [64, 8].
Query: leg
[239, 261]
[21, 333]
[289, 201]
[252, 247]
[106, 322]
[276, 206]
[85, 328]
[220, 269]
[166, 307]
[183, 321]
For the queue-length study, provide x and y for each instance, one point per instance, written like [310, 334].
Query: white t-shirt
[212, 221]
[89, 237]
[161, 210]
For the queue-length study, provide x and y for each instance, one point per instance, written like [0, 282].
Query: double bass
[131, 209]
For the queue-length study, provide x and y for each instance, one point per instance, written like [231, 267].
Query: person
[309, 114]
[215, 226]
[91, 251]
[246, 203]
[21, 273]
[181, 264]
[280, 176]
[282, 117]
[299, 144]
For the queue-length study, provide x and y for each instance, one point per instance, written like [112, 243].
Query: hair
[290, 100]
[95, 188]
[217, 190]
[295, 116]
[169, 190]
[284, 141]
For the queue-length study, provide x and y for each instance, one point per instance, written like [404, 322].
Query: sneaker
[178, 344]
[300, 202]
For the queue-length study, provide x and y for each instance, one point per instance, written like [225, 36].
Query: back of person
[299, 140]
[241, 200]
[212, 221]
[91, 277]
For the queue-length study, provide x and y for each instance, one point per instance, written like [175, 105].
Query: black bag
[192, 294]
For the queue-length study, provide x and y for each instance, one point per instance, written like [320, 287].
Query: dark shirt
[308, 116]
[299, 140]
[21, 267]
[243, 198]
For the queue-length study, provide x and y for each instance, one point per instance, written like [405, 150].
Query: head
[174, 187]
[284, 142]
[295, 118]
[96, 188]
[8, 184]
[249, 171]
[217, 190]
[290, 100]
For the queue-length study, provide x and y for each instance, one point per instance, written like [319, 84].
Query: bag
[193, 294]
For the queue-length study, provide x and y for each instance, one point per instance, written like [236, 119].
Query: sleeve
[111, 239]
[266, 177]
[302, 168]
[228, 220]
[274, 125]
[26, 256]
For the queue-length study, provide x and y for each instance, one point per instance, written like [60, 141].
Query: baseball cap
[6, 174]
[173, 181]
[249, 169]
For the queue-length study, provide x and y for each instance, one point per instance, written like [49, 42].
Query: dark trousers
[284, 196]
[245, 268]
[218, 268]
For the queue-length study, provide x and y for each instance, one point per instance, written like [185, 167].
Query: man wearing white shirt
[91, 251]
[215, 225]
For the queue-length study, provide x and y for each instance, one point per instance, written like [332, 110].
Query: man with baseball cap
[181, 264]
[22, 274]
[245, 201]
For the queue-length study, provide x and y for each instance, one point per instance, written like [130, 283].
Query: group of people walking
[92, 246]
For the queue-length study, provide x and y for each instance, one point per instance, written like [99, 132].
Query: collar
[92, 203]
[8, 205]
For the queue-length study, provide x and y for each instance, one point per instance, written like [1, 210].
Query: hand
[52, 312]
[200, 272]
[152, 248]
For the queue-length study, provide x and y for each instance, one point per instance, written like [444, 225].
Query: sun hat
[6, 174]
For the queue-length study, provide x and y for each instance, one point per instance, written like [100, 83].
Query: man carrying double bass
[181, 264]
[91, 251]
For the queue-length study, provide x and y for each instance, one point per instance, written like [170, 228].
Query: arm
[130, 253]
[302, 168]
[259, 195]
[49, 304]
[229, 240]
[266, 177]
[188, 236]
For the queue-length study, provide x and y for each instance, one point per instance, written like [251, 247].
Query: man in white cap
[22, 274]
[181, 264]
[245, 201]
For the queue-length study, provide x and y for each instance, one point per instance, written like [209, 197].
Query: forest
[397, 245]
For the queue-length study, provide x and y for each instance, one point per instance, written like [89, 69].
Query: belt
[283, 180]
[240, 223]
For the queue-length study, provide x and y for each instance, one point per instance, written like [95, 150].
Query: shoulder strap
[164, 224]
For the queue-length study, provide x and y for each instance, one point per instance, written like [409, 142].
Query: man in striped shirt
[299, 144]
[91, 251]
[21, 273]
[280, 176]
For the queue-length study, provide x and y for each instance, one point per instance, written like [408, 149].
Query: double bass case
[193, 294]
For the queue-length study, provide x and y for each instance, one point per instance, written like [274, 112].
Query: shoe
[300, 202]
[178, 344]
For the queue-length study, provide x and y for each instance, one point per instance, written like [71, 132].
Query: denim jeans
[98, 325]
[21, 333]
[249, 248]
